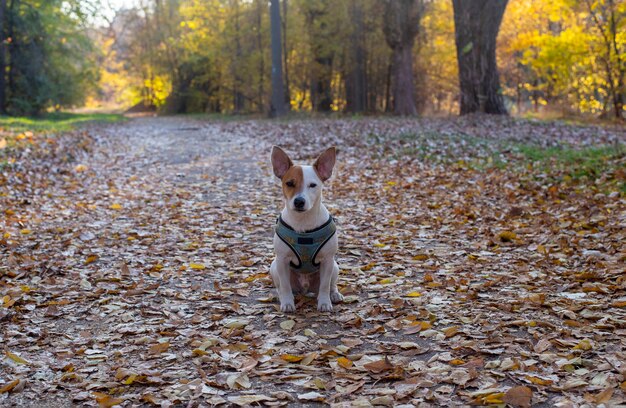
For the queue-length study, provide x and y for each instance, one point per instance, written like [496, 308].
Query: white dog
[305, 239]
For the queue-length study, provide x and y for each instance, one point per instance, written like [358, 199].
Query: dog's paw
[287, 307]
[324, 306]
[336, 297]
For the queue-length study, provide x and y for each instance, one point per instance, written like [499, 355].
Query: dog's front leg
[323, 295]
[282, 280]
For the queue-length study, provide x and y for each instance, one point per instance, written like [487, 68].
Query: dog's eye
[290, 183]
[312, 185]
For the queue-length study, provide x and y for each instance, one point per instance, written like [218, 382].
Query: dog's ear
[325, 163]
[280, 162]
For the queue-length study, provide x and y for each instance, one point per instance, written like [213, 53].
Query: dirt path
[142, 278]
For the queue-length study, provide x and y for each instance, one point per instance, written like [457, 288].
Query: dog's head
[302, 185]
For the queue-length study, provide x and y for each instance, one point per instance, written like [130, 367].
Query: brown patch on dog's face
[293, 182]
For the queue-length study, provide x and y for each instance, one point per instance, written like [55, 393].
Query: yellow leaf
[16, 358]
[9, 386]
[131, 379]
[507, 236]
[425, 325]
[91, 259]
[7, 301]
[115, 206]
[197, 266]
[25, 231]
[451, 331]
[368, 266]
[254, 277]
[420, 257]
[584, 345]
[344, 362]
[457, 361]
[80, 168]
[379, 245]
[106, 401]
[538, 381]
[290, 358]
[3, 143]
[392, 183]
[413, 294]
[495, 398]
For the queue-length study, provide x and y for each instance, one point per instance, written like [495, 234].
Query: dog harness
[305, 245]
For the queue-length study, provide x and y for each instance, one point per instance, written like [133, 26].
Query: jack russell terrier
[305, 239]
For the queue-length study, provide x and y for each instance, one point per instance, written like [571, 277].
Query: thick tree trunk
[277, 107]
[403, 84]
[356, 92]
[259, 21]
[285, 65]
[238, 99]
[402, 19]
[322, 34]
[476, 25]
[322, 84]
[3, 102]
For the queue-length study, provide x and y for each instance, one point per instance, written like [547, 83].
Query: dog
[305, 237]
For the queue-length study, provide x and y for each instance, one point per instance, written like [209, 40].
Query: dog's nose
[299, 203]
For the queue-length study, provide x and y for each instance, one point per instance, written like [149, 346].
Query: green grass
[587, 162]
[55, 122]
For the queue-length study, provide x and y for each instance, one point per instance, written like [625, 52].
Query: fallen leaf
[8, 387]
[379, 366]
[16, 358]
[197, 266]
[519, 396]
[290, 358]
[287, 324]
[507, 236]
[344, 362]
[311, 396]
[158, 348]
[105, 400]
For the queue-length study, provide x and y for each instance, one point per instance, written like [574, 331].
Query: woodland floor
[482, 260]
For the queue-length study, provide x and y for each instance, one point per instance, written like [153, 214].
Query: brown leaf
[519, 396]
[604, 396]
[105, 400]
[379, 366]
[158, 348]
[9, 386]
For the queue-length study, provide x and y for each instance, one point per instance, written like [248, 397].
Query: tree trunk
[356, 93]
[403, 83]
[476, 25]
[238, 99]
[618, 99]
[259, 18]
[277, 107]
[321, 33]
[285, 65]
[3, 104]
[402, 19]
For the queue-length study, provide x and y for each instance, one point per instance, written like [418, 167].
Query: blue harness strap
[305, 245]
